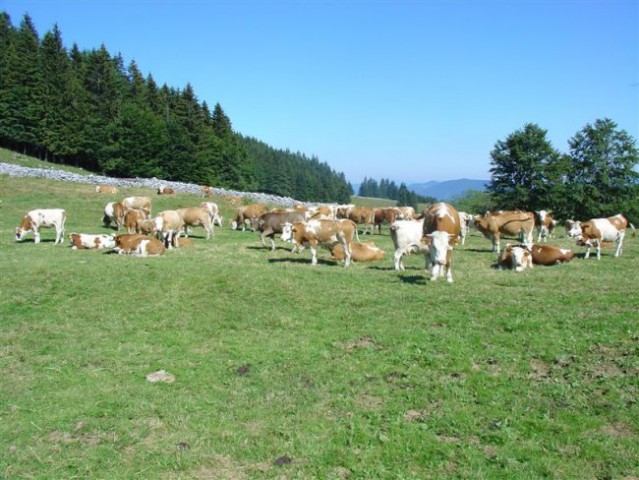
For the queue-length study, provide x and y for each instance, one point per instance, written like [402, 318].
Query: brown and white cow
[169, 225]
[572, 227]
[506, 222]
[166, 191]
[34, 220]
[114, 212]
[360, 252]
[131, 218]
[407, 238]
[442, 228]
[111, 189]
[140, 245]
[599, 230]
[246, 214]
[545, 225]
[196, 217]
[212, 208]
[81, 241]
[146, 226]
[137, 203]
[321, 232]
[550, 254]
[515, 257]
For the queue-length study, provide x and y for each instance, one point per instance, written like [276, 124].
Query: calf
[113, 212]
[131, 218]
[81, 241]
[360, 252]
[545, 225]
[321, 232]
[517, 258]
[166, 191]
[106, 189]
[169, 225]
[42, 218]
[271, 223]
[141, 245]
[599, 230]
[407, 238]
[196, 217]
[442, 228]
[550, 255]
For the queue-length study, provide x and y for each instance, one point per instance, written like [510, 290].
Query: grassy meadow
[287, 371]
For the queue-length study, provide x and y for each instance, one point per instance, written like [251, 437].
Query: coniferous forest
[87, 109]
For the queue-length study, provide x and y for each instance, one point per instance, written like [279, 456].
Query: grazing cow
[321, 232]
[206, 191]
[137, 203]
[81, 241]
[360, 252]
[517, 258]
[268, 224]
[42, 218]
[169, 225]
[550, 255]
[146, 226]
[212, 208]
[545, 225]
[113, 212]
[407, 238]
[364, 216]
[506, 222]
[598, 230]
[131, 218]
[141, 245]
[442, 228]
[247, 213]
[166, 191]
[196, 217]
[111, 189]
[386, 215]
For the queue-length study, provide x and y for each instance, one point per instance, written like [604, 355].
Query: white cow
[407, 238]
[42, 218]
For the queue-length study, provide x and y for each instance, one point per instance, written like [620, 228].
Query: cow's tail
[634, 231]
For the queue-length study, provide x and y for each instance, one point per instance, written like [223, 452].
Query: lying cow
[517, 258]
[34, 220]
[599, 230]
[81, 241]
[166, 191]
[321, 232]
[550, 255]
[111, 189]
[407, 238]
[360, 252]
[134, 244]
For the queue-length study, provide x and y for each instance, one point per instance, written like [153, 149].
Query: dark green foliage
[84, 108]
[597, 178]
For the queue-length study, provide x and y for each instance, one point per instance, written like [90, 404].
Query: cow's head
[24, 228]
[439, 243]
[520, 258]
[575, 230]
[287, 232]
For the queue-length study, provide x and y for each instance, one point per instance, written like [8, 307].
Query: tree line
[85, 108]
[388, 189]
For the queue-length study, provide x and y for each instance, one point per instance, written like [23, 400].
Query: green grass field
[283, 370]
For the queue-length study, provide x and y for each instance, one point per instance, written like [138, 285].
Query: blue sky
[407, 90]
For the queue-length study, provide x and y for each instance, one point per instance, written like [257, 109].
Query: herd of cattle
[433, 234]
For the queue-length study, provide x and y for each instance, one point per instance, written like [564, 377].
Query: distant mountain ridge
[448, 189]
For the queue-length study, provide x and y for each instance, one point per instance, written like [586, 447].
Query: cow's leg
[619, 242]
[272, 237]
[397, 259]
[496, 244]
[36, 235]
[588, 246]
[59, 235]
[313, 254]
[347, 251]
[449, 274]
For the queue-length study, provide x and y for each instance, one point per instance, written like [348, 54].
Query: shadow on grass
[320, 261]
[413, 279]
